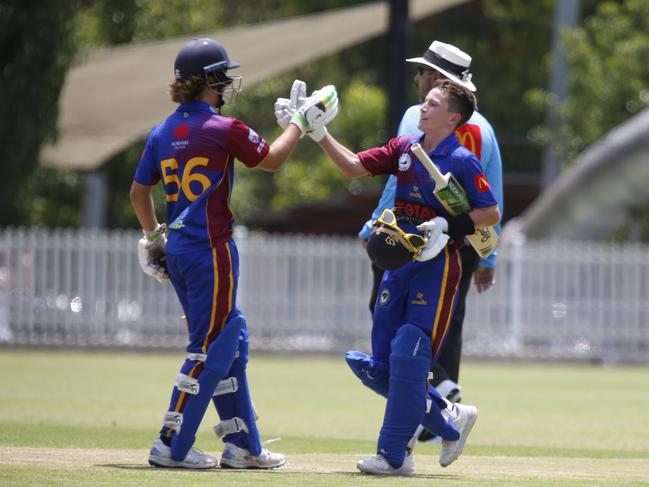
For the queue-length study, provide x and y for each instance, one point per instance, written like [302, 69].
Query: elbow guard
[460, 226]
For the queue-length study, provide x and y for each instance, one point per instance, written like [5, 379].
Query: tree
[35, 51]
[609, 82]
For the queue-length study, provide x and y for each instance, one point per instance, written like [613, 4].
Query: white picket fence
[306, 293]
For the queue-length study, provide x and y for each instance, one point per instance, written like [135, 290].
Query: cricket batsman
[417, 243]
[192, 154]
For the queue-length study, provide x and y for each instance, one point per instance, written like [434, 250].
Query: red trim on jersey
[217, 210]
[450, 284]
[223, 291]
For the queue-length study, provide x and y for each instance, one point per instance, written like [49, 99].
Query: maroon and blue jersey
[192, 152]
[415, 202]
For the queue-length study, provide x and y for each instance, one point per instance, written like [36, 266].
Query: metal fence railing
[306, 293]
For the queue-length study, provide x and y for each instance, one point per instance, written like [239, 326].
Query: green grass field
[76, 418]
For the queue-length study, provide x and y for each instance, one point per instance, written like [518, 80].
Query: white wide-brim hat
[448, 60]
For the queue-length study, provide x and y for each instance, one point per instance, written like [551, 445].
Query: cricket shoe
[378, 465]
[160, 456]
[463, 417]
[235, 457]
[450, 390]
[453, 393]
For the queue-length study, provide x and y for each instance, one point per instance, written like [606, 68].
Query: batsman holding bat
[418, 245]
[446, 61]
[193, 154]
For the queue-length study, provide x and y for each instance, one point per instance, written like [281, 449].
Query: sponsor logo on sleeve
[481, 183]
[404, 162]
[253, 136]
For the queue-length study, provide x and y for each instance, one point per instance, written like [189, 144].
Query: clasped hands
[309, 114]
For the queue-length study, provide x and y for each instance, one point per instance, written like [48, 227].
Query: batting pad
[410, 360]
[238, 404]
[220, 355]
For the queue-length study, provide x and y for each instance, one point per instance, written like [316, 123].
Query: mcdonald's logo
[470, 137]
[481, 183]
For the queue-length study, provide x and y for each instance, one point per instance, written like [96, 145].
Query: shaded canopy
[117, 95]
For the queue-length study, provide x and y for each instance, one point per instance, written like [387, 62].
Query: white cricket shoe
[378, 465]
[160, 456]
[463, 417]
[235, 457]
[450, 390]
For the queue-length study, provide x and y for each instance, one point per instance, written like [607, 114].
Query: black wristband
[460, 225]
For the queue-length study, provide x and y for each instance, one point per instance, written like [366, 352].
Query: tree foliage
[35, 51]
[609, 83]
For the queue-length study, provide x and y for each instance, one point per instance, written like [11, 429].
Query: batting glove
[285, 108]
[316, 112]
[434, 231]
[152, 255]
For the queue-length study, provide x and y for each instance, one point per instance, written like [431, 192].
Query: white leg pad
[226, 386]
[230, 426]
[173, 420]
[187, 384]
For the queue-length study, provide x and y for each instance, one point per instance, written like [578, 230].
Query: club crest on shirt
[385, 297]
[414, 193]
[404, 162]
[419, 299]
[253, 136]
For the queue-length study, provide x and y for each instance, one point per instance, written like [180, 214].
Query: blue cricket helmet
[200, 56]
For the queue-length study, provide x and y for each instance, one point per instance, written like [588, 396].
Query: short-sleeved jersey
[415, 202]
[192, 152]
[478, 136]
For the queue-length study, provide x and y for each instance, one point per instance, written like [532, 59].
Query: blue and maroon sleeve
[383, 160]
[147, 172]
[245, 144]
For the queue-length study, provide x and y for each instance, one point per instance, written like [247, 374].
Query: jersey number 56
[169, 168]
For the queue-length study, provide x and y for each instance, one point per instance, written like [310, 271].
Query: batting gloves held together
[310, 115]
[434, 230]
[151, 253]
[285, 108]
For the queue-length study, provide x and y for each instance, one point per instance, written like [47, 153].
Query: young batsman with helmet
[192, 153]
[418, 245]
[445, 61]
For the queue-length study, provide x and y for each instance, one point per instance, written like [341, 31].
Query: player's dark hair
[183, 91]
[460, 99]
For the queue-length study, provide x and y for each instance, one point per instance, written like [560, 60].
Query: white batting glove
[434, 231]
[432, 248]
[283, 113]
[285, 108]
[316, 112]
[152, 255]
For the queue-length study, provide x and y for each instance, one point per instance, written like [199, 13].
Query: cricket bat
[450, 193]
